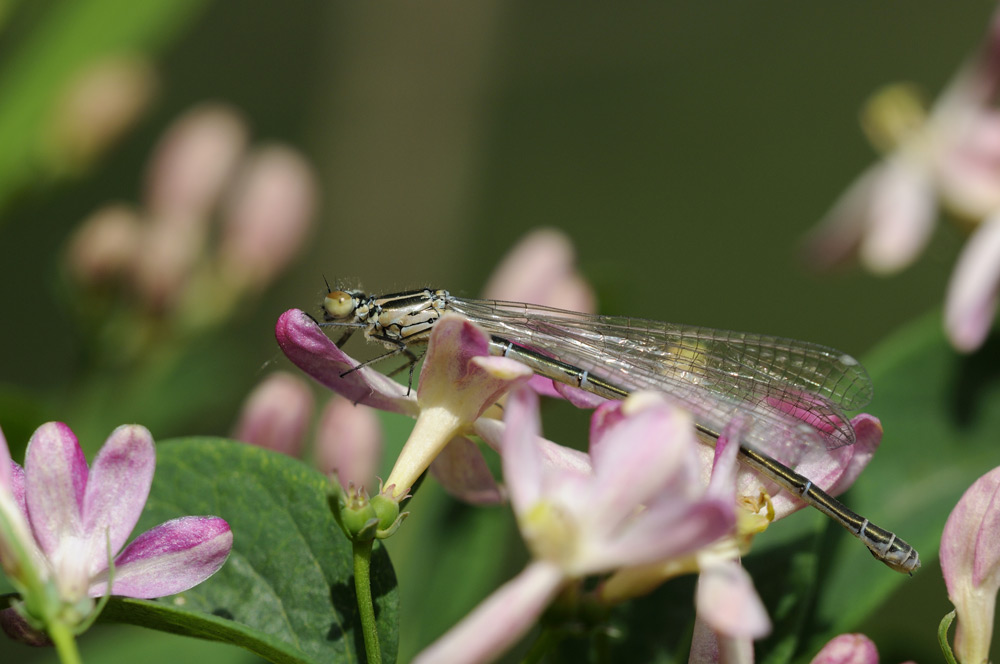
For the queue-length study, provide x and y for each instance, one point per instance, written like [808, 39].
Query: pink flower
[642, 502]
[970, 561]
[77, 514]
[953, 158]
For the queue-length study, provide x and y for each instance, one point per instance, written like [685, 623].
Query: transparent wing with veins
[791, 394]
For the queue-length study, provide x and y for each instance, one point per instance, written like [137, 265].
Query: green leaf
[287, 590]
[68, 38]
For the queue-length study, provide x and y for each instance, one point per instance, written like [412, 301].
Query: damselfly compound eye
[338, 304]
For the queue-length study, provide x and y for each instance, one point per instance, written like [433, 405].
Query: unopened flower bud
[100, 103]
[268, 217]
[349, 442]
[105, 245]
[193, 162]
[277, 414]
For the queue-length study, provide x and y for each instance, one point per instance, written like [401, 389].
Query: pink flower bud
[349, 443]
[277, 414]
[101, 102]
[970, 562]
[193, 162]
[541, 269]
[268, 216]
[106, 244]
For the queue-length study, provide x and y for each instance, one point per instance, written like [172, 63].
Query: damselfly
[790, 396]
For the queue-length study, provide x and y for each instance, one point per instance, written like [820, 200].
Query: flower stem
[363, 590]
[64, 641]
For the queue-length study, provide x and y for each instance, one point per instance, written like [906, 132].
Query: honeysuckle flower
[970, 561]
[848, 649]
[951, 156]
[79, 515]
[276, 415]
[642, 502]
[459, 380]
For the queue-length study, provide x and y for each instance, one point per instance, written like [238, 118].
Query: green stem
[64, 641]
[363, 590]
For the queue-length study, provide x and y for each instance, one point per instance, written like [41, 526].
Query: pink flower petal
[578, 397]
[304, 343]
[553, 454]
[458, 370]
[837, 237]
[522, 468]
[868, 436]
[55, 481]
[901, 216]
[462, 471]
[971, 302]
[169, 559]
[116, 491]
[667, 529]
[727, 601]
[848, 649]
[503, 618]
[649, 452]
[5, 464]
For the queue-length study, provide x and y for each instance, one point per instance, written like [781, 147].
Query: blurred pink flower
[541, 269]
[104, 99]
[642, 502]
[970, 562]
[349, 443]
[105, 245]
[277, 414]
[268, 216]
[201, 170]
[953, 158]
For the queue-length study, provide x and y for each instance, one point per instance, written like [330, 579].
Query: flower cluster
[161, 253]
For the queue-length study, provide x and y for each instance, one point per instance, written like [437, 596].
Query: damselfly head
[340, 305]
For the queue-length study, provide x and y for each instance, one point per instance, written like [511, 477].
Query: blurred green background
[685, 148]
